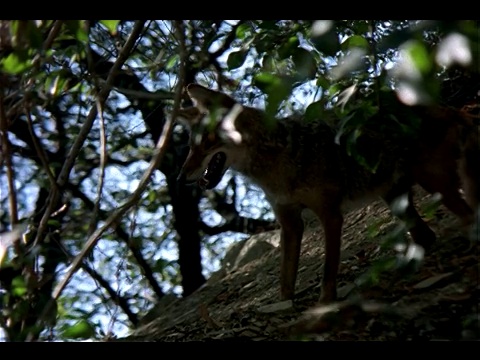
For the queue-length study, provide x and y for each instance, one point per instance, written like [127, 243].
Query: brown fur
[299, 165]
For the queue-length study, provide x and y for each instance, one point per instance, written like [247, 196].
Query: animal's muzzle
[214, 171]
[211, 175]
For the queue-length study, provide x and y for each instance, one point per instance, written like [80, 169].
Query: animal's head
[213, 138]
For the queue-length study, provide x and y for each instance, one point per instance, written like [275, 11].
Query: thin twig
[103, 164]
[40, 151]
[117, 299]
[85, 130]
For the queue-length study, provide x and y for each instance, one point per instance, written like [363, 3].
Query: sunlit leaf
[334, 89]
[242, 31]
[419, 56]
[81, 330]
[355, 41]
[19, 287]
[56, 83]
[53, 222]
[14, 64]
[172, 62]
[264, 80]
[111, 25]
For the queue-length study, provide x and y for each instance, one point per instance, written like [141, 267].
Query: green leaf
[242, 31]
[334, 89]
[19, 287]
[56, 83]
[419, 55]
[327, 43]
[268, 62]
[315, 111]
[265, 80]
[81, 330]
[172, 62]
[78, 30]
[268, 24]
[160, 265]
[111, 25]
[323, 82]
[236, 59]
[305, 63]
[277, 88]
[15, 64]
[355, 41]
[53, 222]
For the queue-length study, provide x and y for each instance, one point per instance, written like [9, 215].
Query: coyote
[301, 164]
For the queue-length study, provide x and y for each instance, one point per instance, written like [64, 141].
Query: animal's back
[301, 157]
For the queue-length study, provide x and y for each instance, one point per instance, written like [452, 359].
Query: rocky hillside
[384, 295]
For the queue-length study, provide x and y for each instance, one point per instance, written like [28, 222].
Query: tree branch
[101, 176]
[6, 157]
[158, 95]
[68, 165]
[122, 234]
[160, 149]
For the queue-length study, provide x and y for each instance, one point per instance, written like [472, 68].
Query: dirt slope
[435, 299]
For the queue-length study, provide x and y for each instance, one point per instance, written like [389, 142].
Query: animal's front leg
[290, 219]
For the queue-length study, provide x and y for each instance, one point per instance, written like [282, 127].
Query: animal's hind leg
[331, 217]
[400, 201]
[447, 183]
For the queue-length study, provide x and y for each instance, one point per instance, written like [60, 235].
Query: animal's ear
[189, 116]
[207, 99]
